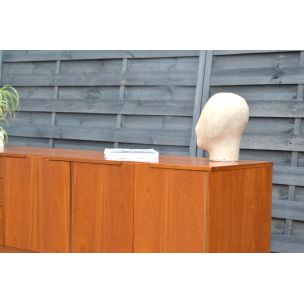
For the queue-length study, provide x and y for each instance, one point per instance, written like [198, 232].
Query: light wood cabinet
[189, 210]
[169, 213]
[103, 207]
[54, 206]
[57, 200]
[239, 210]
[37, 204]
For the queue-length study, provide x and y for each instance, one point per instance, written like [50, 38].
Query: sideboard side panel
[103, 207]
[239, 210]
[169, 210]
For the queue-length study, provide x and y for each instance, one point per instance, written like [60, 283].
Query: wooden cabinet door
[37, 204]
[54, 206]
[20, 212]
[103, 207]
[169, 210]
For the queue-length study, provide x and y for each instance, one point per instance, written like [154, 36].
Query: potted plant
[9, 105]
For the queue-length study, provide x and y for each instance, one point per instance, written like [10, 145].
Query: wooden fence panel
[98, 99]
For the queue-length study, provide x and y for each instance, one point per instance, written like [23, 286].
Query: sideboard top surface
[165, 161]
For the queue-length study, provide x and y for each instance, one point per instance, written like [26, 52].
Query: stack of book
[141, 155]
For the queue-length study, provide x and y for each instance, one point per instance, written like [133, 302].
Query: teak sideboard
[57, 200]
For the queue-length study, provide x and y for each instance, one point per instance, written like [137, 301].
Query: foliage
[9, 105]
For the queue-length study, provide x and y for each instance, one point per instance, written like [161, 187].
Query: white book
[147, 155]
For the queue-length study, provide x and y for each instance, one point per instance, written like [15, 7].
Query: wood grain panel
[169, 210]
[103, 207]
[153, 78]
[1, 227]
[20, 211]
[153, 137]
[165, 161]
[34, 55]
[180, 204]
[93, 106]
[1, 167]
[258, 76]
[1, 192]
[37, 204]
[54, 206]
[5, 249]
[286, 209]
[239, 210]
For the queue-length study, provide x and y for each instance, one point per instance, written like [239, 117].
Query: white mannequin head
[221, 125]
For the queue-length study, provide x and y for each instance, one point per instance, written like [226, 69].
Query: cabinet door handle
[58, 160]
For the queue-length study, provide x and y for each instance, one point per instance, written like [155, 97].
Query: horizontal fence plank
[286, 243]
[98, 145]
[256, 60]
[258, 76]
[259, 142]
[285, 209]
[273, 142]
[28, 141]
[146, 137]
[261, 92]
[240, 52]
[281, 158]
[20, 56]
[269, 126]
[131, 107]
[287, 109]
[141, 136]
[178, 78]
[292, 176]
[276, 108]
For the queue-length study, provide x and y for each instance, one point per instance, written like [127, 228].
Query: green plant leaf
[9, 105]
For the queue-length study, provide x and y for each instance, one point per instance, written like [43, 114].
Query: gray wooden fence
[97, 99]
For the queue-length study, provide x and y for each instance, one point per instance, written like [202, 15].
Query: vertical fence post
[201, 95]
[55, 96]
[197, 99]
[206, 88]
[295, 154]
[122, 89]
